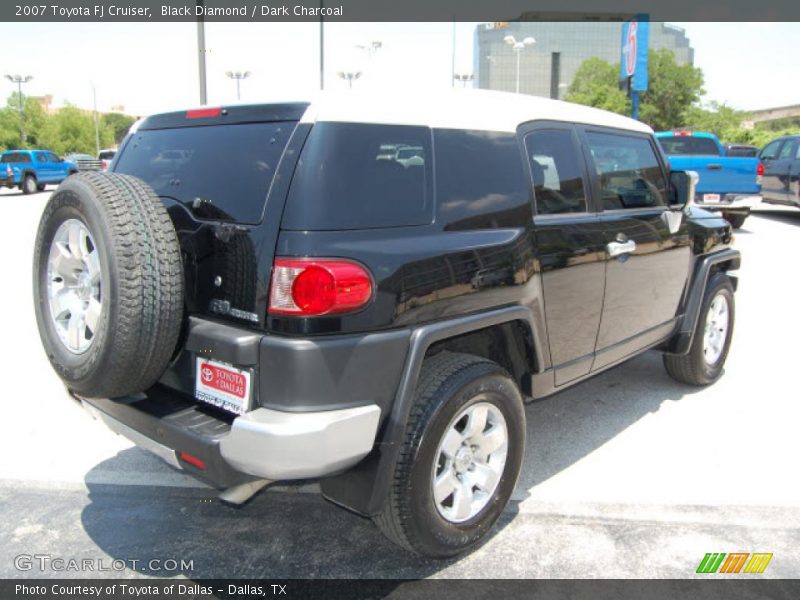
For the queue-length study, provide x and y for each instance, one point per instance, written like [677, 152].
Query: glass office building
[548, 66]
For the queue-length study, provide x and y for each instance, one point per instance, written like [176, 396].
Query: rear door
[58, 166]
[43, 167]
[772, 186]
[646, 264]
[569, 247]
[794, 175]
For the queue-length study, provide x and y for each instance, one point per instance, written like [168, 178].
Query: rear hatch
[213, 169]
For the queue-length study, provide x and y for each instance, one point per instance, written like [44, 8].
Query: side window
[480, 180]
[41, 157]
[52, 157]
[557, 172]
[797, 153]
[629, 173]
[787, 150]
[359, 176]
[770, 151]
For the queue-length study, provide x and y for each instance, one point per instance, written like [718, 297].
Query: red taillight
[192, 460]
[760, 169]
[9, 172]
[311, 287]
[203, 113]
[682, 133]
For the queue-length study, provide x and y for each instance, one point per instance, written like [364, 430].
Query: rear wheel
[712, 337]
[29, 184]
[460, 459]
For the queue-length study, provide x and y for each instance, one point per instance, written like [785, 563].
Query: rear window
[688, 144]
[15, 157]
[359, 176]
[220, 172]
[106, 155]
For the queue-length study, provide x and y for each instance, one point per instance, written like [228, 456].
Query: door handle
[714, 167]
[620, 248]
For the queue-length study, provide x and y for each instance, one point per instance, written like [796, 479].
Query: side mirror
[682, 188]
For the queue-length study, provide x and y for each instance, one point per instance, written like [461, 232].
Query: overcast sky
[150, 67]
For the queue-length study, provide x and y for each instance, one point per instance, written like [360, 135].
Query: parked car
[106, 156]
[32, 170]
[328, 314]
[85, 162]
[728, 184]
[740, 150]
[781, 158]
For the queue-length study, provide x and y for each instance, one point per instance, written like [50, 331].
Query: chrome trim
[280, 445]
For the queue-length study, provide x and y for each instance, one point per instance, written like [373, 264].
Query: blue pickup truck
[32, 170]
[728, 184]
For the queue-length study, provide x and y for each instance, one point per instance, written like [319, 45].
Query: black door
[569, 247]
[647, 254]
[776, 157]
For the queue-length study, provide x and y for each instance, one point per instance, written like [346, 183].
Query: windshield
[220, 172]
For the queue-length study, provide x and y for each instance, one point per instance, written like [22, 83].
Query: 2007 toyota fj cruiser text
[366, 289]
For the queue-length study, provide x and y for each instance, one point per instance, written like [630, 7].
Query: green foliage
[672, 101]
[71, 129]
[672, 90]
[595, 84]
[119, 124]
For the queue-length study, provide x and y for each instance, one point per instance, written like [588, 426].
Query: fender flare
[684, 335]
[364, 488]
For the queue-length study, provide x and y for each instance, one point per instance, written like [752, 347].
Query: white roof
[457, 109]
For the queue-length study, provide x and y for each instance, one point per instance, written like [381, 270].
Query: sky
[152, 67]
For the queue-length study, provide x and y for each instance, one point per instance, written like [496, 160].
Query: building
[548, 66]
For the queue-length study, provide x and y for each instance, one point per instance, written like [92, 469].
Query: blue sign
[633, 62]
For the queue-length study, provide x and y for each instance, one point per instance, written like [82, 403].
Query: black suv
[261, 293]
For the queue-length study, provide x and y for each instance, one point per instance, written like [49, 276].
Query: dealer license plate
[222, 385]
[712, 198]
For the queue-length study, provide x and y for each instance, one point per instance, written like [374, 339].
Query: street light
[463, 78]
[238, 76]
[19, 80]
[371, 48]
[96, 126]
[518, 47]
[349, 76]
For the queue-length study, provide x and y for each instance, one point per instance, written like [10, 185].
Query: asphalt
[629, 474]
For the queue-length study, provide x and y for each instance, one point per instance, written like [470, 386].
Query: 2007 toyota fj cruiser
[261, 293]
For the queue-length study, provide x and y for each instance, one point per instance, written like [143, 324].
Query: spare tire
[108, 284]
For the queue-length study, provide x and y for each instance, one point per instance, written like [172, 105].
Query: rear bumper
[262, 444]
[316, 405]
[731, 202]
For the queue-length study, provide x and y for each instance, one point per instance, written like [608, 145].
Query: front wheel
[712, 337]
[460, 458]
[29, 184]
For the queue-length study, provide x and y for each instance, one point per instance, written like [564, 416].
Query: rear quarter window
[361, 176]
[480, 180]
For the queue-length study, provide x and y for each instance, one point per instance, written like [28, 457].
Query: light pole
[464, 78]
[19, 80]
[518, 47]
[349, 76]
[96, 127]
[238, 76]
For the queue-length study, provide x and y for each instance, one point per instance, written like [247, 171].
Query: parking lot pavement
[629, 474]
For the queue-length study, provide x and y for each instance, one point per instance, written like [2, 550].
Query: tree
[596, 84]
[70, 130]
[671, 92]
[672, 89]
[119, 125]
